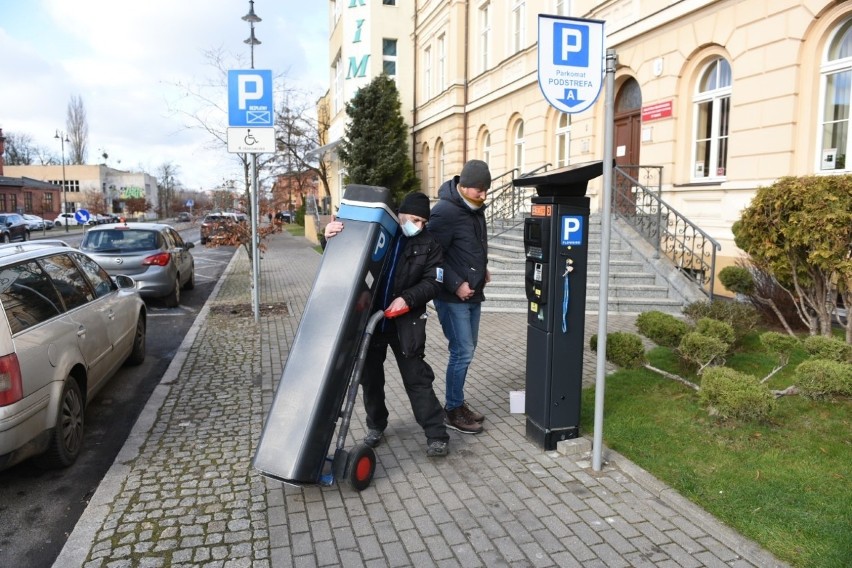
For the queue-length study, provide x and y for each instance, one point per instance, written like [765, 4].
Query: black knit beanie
[415, 203]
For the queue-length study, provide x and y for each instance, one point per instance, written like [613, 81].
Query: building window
[711, 115]
[519, 147]
[562, 7]
[486, 148]
[563, 139]
[836, 84]
[3, 203]
[427, 73]
[337, 88]
[442, 63]
[389, 57]
[13, 202]
[518, 17]
[440, 162]
[28, 201]
[389, 2]
[484, 35]
[427, 178]
[48, 202]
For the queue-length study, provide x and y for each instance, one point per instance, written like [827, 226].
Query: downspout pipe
[466, 70]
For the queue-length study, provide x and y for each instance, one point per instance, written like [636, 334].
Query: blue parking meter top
[369, 203]
[569, 181]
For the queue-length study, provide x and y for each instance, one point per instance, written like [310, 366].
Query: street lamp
[63, 138]
[252, 19]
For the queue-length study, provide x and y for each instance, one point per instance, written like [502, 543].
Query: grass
[784, 484]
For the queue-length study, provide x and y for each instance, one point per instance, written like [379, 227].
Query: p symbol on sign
[381, 244]
[249, 88]
[572, 230]
[570, 45]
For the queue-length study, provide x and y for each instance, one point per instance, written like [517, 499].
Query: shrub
[737, 279]
[780, 344]
[661, 328]
[622, 349]
[824, 379]
[715, 328]
[742, 317]
[700, 350]
[822, 347]
[731, 394]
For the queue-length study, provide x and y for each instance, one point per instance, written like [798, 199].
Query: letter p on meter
[572, 230]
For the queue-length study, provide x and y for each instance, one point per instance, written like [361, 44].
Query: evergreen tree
[374, 148]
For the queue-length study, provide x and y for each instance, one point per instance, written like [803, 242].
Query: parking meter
[556, 237]
[304, 413]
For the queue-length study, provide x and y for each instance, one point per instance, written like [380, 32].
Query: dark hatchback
[14, 228]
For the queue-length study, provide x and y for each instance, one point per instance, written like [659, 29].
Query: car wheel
[26, 236]
[173, 299]
[137, 355]
[66, 438]
[5, 238]
[190, 284]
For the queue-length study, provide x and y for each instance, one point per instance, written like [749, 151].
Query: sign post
[251, 131]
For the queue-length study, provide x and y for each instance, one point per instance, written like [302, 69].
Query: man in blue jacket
[458, 222]
[413, 278]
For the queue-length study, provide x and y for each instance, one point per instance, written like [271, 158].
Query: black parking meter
[556, 237]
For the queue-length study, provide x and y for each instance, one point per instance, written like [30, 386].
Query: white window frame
[518, 144]
[832, 153]
[518, 20]
[440, 161]
[718, 97]
[442, 63]
[390, 58]
[337, 91]
[562, 148]
[562, 7]
[427, 73]
[486, 147]
[484, 36]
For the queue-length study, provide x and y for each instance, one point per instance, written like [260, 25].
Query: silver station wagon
[66, 327]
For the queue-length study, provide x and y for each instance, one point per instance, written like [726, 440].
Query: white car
[36, 223]
[66, 327]
[65, 219]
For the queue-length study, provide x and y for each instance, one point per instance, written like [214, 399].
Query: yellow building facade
[720, 97]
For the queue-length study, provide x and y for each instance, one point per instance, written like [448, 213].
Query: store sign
[657, 111]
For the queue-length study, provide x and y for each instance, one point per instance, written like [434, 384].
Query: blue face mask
[409, 229]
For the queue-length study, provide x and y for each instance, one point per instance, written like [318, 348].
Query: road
[38, 509]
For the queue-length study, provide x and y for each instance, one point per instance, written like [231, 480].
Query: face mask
[409, 229]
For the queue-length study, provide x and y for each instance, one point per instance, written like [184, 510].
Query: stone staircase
[637, 282]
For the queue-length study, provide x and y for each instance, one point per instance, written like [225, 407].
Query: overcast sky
[124, 58]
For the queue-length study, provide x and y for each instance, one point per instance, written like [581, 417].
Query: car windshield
[120, 240]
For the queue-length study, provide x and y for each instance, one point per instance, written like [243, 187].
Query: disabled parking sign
[570, 61]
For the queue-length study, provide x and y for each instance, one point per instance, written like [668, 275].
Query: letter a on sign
[570, 61]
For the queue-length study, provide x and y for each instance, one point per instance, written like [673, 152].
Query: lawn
[784, 484]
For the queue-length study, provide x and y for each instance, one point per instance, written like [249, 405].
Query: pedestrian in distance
[413, 278]
[458, 222]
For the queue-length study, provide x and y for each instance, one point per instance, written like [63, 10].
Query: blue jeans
[460, 322]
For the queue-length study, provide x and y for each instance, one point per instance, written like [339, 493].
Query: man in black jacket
[413, 278]
[458, 222]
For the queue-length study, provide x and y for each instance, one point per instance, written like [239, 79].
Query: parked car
[66, 327]
[284, 217]
[36, 223]
[65, 219]
[154, 254]
[13, 227]
[184, 217]
[215, 225]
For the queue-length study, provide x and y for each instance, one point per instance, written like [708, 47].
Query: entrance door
[628, 123]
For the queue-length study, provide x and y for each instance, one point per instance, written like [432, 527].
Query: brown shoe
[471, 414]
[457, 420]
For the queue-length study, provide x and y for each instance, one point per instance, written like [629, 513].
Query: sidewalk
[182, 491]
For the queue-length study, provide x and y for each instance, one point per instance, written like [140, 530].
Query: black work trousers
[417, 377]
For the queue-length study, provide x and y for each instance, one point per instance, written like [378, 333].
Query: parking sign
[250, 98]
[570, 61]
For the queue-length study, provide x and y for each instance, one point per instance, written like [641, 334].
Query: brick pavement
[183, 493]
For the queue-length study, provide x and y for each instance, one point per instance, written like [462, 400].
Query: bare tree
[166, 186]
[20, 150]
[302, 131]
[78, 130]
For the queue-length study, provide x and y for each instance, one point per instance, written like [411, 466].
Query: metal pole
[255, 256]
[603, 299]
[62, 136]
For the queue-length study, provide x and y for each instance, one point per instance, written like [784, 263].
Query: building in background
[715, 97]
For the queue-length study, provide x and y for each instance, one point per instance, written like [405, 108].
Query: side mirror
[124, 282]
[189, 245]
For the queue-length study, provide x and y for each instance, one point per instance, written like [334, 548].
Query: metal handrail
[506, 201]
[685, 244]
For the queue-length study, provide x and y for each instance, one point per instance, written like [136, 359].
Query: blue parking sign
[250, 98]
[572, 230]
[570, 61]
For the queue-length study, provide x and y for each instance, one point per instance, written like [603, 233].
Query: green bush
[823, 379]
[822, 347]
[622, 349]
[699, 349]
[742, 317]
[737, 279]
[732, 394]
[781, 344]
[715, 328]
[661, 328]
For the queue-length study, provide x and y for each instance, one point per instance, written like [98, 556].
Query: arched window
[426, 169]
[486, 147]
[563, 139]
[836, 85]
[440, 163]
[711, 115]
[519, 146]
